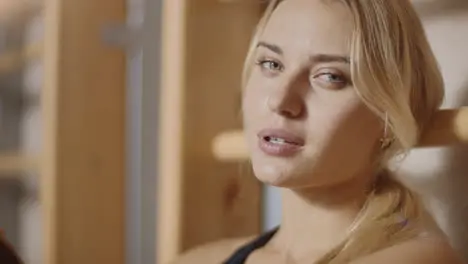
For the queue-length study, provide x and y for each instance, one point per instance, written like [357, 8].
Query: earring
[386, 140]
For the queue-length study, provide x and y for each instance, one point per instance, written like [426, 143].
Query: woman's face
[304, 122]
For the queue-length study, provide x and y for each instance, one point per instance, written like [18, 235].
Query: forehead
[321, 26]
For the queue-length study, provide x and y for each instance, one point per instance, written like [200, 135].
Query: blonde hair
[396, 74]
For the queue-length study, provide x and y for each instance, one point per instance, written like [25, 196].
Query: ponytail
[392, 214]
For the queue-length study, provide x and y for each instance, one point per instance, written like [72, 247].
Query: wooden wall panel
[83, 108]
[201, 199]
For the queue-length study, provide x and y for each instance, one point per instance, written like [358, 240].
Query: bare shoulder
[212, 253]
[426, 249]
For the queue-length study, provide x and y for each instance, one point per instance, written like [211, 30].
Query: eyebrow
[324, 58]
[317, 58]
[272, 47]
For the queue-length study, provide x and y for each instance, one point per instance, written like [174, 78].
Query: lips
[280, 142]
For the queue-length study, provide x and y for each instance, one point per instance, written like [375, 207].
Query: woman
[333, 89]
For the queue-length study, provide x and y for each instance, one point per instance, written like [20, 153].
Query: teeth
[277, 140]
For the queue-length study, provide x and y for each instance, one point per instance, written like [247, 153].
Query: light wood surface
[14, 11]
[12, 60]
[169, 187]
[49, 104]
[201, 199]
[82, 179]
[450, 126]
[17, 163]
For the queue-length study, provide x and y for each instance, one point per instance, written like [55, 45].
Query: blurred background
[110, 112]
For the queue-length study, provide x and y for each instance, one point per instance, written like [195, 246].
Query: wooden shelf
[450, 126]
[12, 163]
[12, 60]
[17, 11]
[230, 146]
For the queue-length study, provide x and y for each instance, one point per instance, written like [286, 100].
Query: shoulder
[212, 253]
[426, 249]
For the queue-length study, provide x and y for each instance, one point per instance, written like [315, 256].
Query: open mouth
[280, 141]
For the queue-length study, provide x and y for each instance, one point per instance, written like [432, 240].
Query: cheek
[349, 128]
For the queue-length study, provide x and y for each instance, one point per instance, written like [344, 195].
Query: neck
[316, 219]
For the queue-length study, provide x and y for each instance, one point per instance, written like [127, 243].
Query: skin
[301, 83]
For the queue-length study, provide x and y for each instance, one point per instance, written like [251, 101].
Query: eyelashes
[330, 78]
[327, 77]
[270, 65]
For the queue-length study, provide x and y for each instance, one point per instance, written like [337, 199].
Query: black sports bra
[241, 255]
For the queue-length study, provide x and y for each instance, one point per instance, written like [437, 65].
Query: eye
[270, 65]
[331, 80]
[330, 77]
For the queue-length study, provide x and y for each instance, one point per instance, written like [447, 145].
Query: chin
[271, 178]
[291, 174]
[294, 171]
[277, 175]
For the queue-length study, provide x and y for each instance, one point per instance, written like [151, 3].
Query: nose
[286, 102]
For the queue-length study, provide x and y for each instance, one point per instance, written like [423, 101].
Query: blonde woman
[333, 89]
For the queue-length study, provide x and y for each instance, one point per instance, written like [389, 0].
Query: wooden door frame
[83, 109]
[200, 199]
